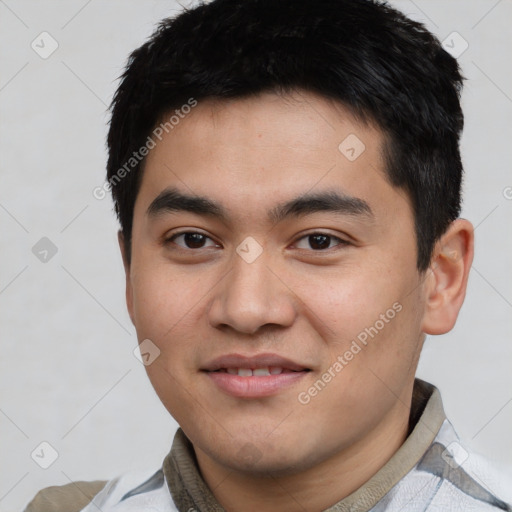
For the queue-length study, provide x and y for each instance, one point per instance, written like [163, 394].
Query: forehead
[252, 152]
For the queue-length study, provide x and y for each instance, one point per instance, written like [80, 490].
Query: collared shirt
[431, 471]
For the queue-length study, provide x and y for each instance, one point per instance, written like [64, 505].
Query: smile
[256, 372]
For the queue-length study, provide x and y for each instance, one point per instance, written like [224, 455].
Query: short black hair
[382, 66]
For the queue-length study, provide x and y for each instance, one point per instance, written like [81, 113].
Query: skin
[308, 305]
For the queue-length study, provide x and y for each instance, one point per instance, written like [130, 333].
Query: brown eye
[320, 242]
[192, 240]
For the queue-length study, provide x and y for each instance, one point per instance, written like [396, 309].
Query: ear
[126, 264]
[445, 286]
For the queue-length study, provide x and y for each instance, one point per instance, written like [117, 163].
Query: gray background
[68, 374]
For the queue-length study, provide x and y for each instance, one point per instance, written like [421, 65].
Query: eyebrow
[172, 200]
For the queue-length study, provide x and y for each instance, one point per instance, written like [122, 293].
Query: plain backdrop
[68, 373]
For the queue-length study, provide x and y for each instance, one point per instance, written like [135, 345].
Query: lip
[257, 361]
[254, 386]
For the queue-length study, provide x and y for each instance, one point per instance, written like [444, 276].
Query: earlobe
[126, 264]
[446, 285]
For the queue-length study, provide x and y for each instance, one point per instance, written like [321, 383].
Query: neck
[318, 487]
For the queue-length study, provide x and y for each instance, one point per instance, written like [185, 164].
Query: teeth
[261, 372]
[257, 372]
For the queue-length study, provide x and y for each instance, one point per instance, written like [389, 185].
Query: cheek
[170, 307]
[163, 299]
[375, 310]
[344, 304]
[165, 306]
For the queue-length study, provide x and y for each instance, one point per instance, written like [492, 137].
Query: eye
[192, 240]
[319, 242]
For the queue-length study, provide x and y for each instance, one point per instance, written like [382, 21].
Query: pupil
[319, 241]
[194, 240]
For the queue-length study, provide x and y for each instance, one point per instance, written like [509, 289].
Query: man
[287, 178]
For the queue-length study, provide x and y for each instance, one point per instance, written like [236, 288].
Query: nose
[251, 296]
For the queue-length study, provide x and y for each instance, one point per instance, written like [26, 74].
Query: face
[274, 267]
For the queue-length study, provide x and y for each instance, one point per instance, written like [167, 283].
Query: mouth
[254, 377]
[257, 372]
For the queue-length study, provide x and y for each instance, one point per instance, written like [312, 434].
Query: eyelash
[341, 242]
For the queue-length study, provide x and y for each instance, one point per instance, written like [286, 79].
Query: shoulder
[460, 479]
[130, 492]
[71, 497]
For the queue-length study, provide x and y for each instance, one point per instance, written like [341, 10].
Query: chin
[261, 458]
[265, 466]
